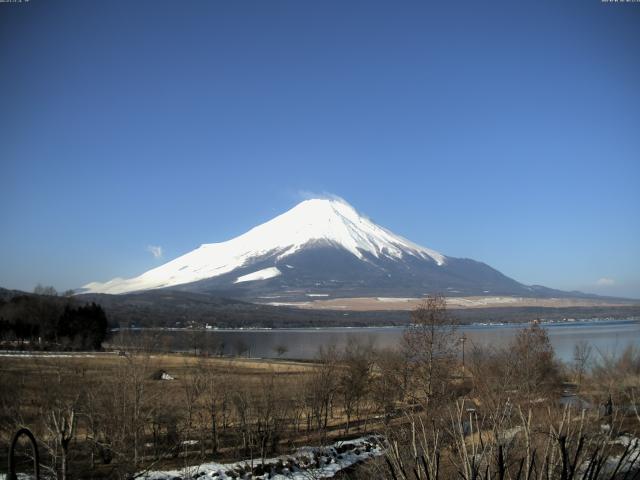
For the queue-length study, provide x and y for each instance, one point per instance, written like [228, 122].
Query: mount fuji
[321, 248]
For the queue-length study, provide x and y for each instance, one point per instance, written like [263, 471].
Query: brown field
[254, 401]
[107, 415]
[394, 304]
[27, 369]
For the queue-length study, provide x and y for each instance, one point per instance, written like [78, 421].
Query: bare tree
[45, 290]
[431, 342]
[63, 423]
[390, 382]
[321, 389]
[58, 413]
[127, 408]
[217, 393]
[271, 412]
[196, 341]
[193, 385]
[581, 357]
[281, 350]
[241, 400]
[534, 360]
[354, 379]
[241, 348]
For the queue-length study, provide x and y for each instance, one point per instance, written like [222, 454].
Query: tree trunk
[63, 459]
[214, 434]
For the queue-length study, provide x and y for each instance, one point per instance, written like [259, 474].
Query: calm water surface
[605, 336]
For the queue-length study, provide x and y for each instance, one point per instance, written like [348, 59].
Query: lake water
[605, 336]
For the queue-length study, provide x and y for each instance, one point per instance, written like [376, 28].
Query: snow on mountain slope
[263, 274]
[309, 222]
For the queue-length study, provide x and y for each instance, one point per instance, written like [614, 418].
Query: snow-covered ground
[39, 354]
[630, 460]
[306, 463]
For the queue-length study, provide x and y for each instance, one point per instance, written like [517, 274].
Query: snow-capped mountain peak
[325, 221]
[334, 221]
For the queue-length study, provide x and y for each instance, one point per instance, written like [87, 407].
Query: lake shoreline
[542, 322]
[608, 336]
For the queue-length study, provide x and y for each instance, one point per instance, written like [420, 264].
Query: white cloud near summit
[605, 282]
[155, 250]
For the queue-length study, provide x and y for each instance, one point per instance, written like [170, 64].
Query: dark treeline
[48, 321]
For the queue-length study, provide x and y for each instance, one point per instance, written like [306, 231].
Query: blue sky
[507, 132]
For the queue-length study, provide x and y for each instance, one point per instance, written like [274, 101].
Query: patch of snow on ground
[613, 462]
[287, 304]
[18, 354]
[394, 299]
[633, 444]
[305, 463]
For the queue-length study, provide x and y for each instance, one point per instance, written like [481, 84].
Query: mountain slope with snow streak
[310, 223]
[322, 247]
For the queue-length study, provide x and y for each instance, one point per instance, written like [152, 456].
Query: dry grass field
[139, 410]
[110, 415]
[363, 304]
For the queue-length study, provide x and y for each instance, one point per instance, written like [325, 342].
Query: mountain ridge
[311, 221]
[322, 247]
